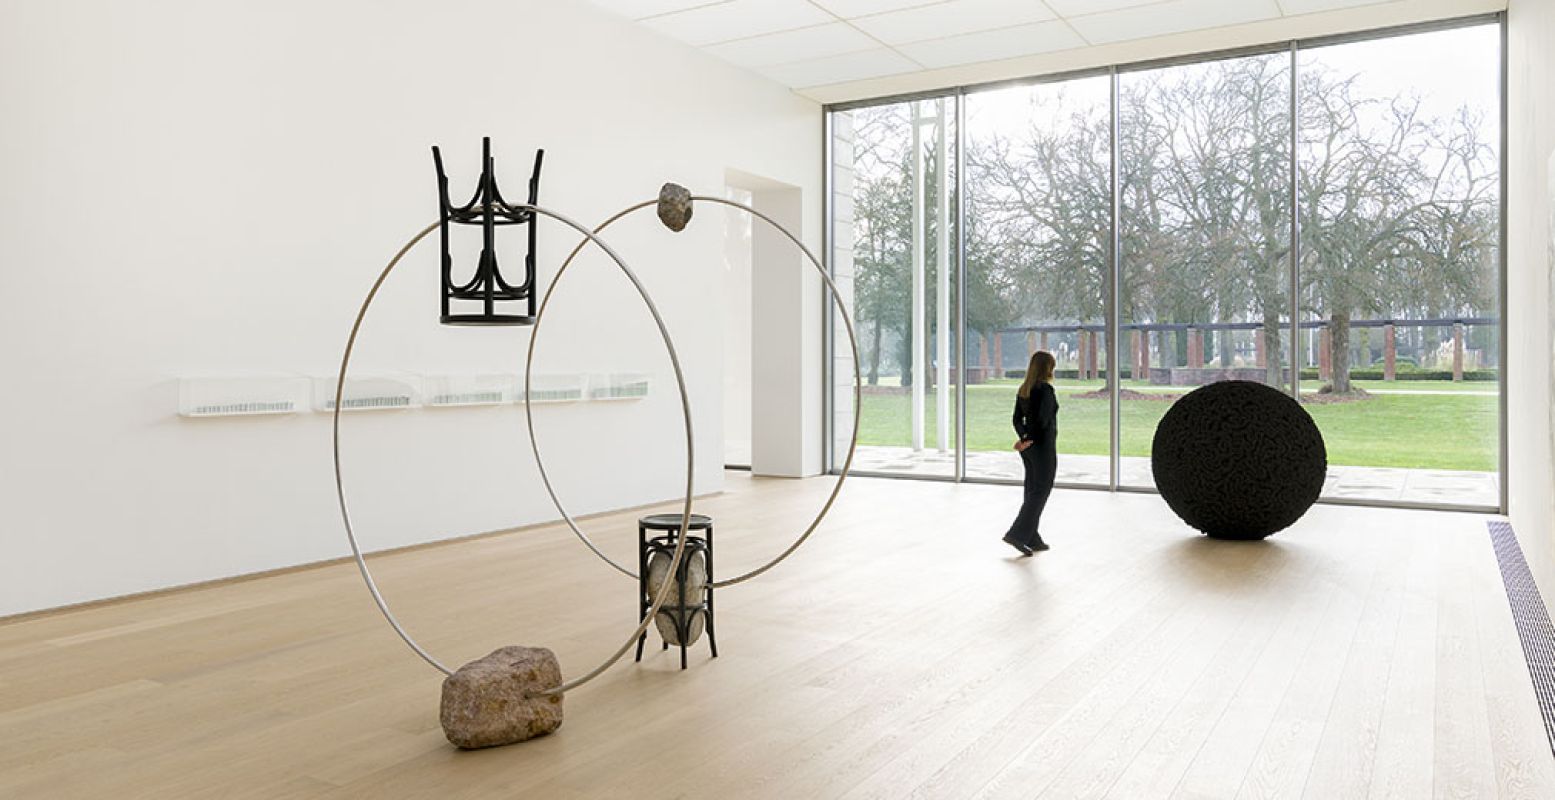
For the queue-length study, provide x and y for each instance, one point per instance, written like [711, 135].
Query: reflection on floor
[1381, 484]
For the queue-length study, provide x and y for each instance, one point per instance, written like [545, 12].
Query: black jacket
[1037, 416]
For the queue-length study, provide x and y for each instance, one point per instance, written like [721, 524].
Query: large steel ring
[858, 383]
[685, 406]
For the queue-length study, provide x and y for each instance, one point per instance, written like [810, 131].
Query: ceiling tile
[1021, 40]
[638, 9]
[737, 19]
[1173, 16]
[858, 8]
[1293, 7]
[951, 18]
[836, 69]
[820, 41]
[1074, 8]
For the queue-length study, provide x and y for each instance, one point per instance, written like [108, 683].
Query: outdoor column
[1324, 358]
[1389, 352]
[1044, 341]
[1457, 351]
[982, 358]
[1195, 349]
[998, 356]
[1031, 344]
[1095, 364]
[1259, 359]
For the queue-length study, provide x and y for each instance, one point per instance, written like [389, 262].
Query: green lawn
[1455, 430]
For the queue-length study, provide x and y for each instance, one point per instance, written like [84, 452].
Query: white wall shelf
[241, 396]
[386, 392]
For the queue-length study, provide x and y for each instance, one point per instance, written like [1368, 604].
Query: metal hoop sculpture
[858, 383]
[685, 406]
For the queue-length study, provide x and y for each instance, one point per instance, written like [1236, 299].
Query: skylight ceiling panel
[803, 44]
[737, 19]
[848, 9]
[952, 19]
[1293, 7]
[837, 69]
[1174, 16]
[1074, 8]
[1021, 40]
[642, 9]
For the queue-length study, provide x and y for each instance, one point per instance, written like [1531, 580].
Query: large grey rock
[674, 206]
[498, 699]
[672, 612]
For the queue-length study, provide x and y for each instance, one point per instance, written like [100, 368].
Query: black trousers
[1041, 463]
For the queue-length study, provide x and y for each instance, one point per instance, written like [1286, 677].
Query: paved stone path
[1375, 484]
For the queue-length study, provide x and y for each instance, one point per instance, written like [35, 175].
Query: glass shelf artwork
[232, 396]
[618, 386]
[369, 393]
[454, 391]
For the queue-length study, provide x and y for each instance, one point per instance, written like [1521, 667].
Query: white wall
[1530, 181]
[737, 329]
[786, 338]
[210, 187]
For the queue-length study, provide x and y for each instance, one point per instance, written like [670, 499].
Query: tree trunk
[874, 356]
[1339, 351]
[1272, 374]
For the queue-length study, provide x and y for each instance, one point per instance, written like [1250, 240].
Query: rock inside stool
[498, 699]
[673, 613]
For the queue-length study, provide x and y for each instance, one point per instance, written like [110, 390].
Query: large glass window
[1400, 229]
[1205, 224]
[1038, 267]
[893, 251]
[1349, 256]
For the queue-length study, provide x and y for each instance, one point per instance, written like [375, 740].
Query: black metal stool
[646, 547]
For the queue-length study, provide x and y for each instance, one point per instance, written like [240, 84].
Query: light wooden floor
[902, 653]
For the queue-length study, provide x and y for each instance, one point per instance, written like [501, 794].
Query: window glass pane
[1038, 268]
[1400, 269]
[894, 257]
[1205, 227]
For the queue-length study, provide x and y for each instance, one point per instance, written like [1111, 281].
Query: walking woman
[1036, 425]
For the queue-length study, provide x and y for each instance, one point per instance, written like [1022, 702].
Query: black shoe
[1024, 550]
[1038, 547]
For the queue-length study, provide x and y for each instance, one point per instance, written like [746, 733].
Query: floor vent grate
[1532, 619]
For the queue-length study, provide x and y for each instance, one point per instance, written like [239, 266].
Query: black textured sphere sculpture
[1238, 459]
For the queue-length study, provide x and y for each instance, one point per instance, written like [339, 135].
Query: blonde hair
[1039, 369]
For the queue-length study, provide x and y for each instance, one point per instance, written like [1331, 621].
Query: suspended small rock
[674, 206]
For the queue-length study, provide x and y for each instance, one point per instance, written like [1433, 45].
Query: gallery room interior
[1081, 398]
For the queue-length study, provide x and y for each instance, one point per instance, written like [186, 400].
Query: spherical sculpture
[1238, 459]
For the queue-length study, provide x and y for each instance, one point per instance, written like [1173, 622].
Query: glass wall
[1204, 160]
[1387, 301]
[1038, 267]
[894, 254]
[1399, 156]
